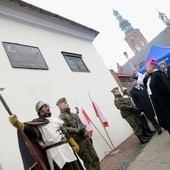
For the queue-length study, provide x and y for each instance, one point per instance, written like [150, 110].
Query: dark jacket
[160, 96]
[142, 101]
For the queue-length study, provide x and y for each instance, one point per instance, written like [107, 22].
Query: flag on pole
[85, 119]
[99, 113]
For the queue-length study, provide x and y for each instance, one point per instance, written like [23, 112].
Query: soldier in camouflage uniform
[78, 131]
[128, 112]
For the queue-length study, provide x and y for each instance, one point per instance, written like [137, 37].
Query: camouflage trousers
[88, 154]
[135, 123]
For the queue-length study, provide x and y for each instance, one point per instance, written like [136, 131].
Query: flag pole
[107, 134]
[28, 143]
[101, 135]
[126, 55]
[78, 111]
[104, 128]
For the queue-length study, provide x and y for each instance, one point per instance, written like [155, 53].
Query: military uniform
[130, 113]
[73, 125]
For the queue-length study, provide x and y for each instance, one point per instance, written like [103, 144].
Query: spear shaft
[34, 154]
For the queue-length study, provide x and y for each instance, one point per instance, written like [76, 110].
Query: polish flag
[85, 119]
[99, 113]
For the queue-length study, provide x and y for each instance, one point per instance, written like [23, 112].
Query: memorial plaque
[23, 56]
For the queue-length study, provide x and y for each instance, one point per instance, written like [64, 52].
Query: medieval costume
[49, 147]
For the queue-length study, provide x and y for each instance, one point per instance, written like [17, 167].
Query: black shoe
[159, 132]
[151, 132]
[148, 136]
[144, 140]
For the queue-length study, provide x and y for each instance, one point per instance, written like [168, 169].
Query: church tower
[164, 18]
[133, 37]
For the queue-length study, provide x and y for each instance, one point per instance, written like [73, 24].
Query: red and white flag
[99, 113]
[85, 119]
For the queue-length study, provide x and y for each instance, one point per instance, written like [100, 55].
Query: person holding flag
[77, 130]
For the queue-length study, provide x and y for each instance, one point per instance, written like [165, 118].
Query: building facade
[45, 57]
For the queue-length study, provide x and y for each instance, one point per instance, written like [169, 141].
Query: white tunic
[51, 134]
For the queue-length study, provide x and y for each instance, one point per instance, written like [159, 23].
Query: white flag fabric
[99, 113]
[85, 119]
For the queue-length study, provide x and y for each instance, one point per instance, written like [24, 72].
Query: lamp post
[126, 55]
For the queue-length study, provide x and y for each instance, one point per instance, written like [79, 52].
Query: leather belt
[56, 144]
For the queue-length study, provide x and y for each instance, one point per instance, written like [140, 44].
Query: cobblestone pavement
[128, 150]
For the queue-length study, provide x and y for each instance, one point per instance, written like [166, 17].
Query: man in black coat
[165, 69]
[159, 90]
[143, 103]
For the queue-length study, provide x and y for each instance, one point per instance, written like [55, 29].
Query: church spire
[123, 23]
[133, 37]
[164, 18]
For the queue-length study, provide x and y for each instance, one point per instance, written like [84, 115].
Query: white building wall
[24, 87]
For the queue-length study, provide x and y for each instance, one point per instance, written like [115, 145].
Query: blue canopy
[159, 53]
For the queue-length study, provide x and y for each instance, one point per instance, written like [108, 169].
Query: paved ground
[128, 150]
[154, 155]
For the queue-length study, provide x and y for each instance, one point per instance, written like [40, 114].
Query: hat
[123, 89]
[39, 105]
[61, 100]
[152, 62]
[113, 90]
[162, 62]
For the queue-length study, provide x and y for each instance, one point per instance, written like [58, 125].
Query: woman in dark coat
[159, 90]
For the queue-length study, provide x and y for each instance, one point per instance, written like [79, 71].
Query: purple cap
[152, 62]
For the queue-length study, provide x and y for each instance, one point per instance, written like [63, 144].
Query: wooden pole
[101, 135]
[77, 112]
[34, 154]
[103, 126]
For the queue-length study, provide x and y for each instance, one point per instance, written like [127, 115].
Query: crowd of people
[63, 143]
[146, 101]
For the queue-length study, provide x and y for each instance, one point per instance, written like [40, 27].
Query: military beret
[61, 100]
[115, 88]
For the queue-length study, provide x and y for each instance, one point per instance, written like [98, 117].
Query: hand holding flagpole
[34, 154]
[126, 55]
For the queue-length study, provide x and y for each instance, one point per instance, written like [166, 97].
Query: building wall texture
[24, 87]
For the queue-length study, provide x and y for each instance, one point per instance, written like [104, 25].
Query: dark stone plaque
[23, 56]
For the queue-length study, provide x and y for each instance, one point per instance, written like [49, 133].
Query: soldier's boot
[150, 132]
[145, 126]
[146, 135]
[143, 139]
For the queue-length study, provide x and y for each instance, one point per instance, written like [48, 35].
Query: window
[138, 47]
[142, 43]
[75, 62]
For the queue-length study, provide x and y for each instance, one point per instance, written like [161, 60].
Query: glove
[15, 122]
[74, 145]
[82, 132]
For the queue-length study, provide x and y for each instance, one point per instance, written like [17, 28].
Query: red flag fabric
[99, 114]
[85, 119]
